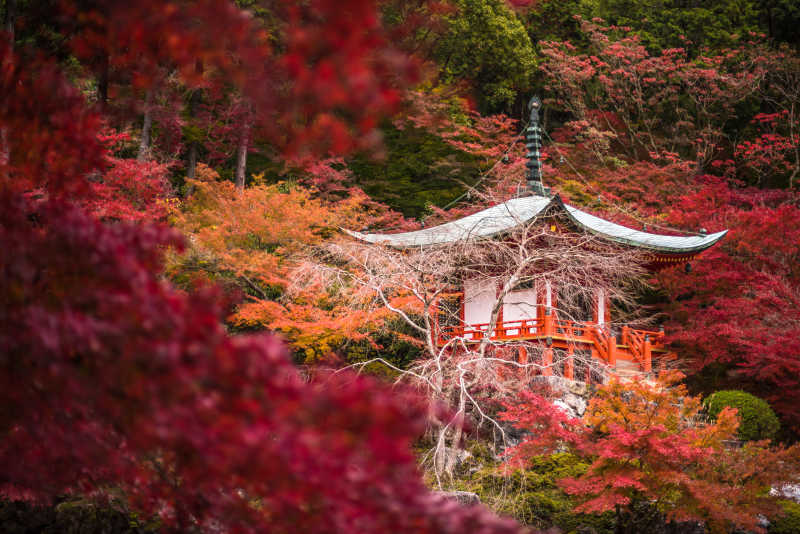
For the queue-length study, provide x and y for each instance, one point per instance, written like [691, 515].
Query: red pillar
[625, 335]
[589, 370]
[548, 322]
[612, 351]
[569, 363]
[547, 362]
[648, 356]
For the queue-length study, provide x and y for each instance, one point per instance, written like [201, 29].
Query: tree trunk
[241, 156]
[144, 142]
[194, 100]
[102, 82]
[5, 149]
[9, 23]
[191, 167]
[458, 431]
[10, 19]
[619, 527]
[794, 140]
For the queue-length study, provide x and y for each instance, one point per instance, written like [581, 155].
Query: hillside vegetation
[188, 344]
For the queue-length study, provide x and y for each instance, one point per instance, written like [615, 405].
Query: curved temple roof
[518, 211]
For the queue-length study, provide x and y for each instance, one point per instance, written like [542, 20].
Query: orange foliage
[256, 237]
[633, 405]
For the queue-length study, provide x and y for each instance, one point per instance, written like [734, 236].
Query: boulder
[789, 491]
[462, 497]
[577, 403]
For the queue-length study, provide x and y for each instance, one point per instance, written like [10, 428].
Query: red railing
[635, 345]
[641, 344]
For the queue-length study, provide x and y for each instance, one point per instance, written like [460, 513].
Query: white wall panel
[519, 305]
[480, 296]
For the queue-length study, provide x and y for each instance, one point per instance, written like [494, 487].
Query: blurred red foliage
[117, 382]
[113, 381]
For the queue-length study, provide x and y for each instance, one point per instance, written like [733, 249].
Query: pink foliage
[623, 97]
[131, 190]
[769, 154]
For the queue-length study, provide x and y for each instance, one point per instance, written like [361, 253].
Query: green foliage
[780, 19]
[532, 495]
[554, 20]
[392, 344]
[70, 517]
[410, 178]
[713, 23]
[487, 44]
[665, 23]
[758, 421]
[789, 522]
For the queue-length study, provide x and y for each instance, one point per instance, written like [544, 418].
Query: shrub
[69, 517]
[789, 523]
[757, 420]
[532, 496]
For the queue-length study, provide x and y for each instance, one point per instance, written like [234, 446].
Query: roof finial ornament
[533, 138]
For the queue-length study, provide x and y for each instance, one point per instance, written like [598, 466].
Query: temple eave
[505, 217]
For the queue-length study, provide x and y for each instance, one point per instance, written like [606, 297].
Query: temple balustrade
[621, 348]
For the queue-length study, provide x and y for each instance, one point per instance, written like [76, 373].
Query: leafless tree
[147, 126]
[461, 367]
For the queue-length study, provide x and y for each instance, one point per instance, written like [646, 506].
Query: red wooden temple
[532, 314]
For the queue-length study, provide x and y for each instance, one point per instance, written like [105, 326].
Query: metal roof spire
[533, 138]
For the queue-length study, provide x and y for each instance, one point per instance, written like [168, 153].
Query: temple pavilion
[531, 314]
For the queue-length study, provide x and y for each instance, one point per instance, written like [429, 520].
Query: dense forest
[190, 343]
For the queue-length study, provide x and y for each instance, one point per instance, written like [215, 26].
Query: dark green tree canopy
[487, 44]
